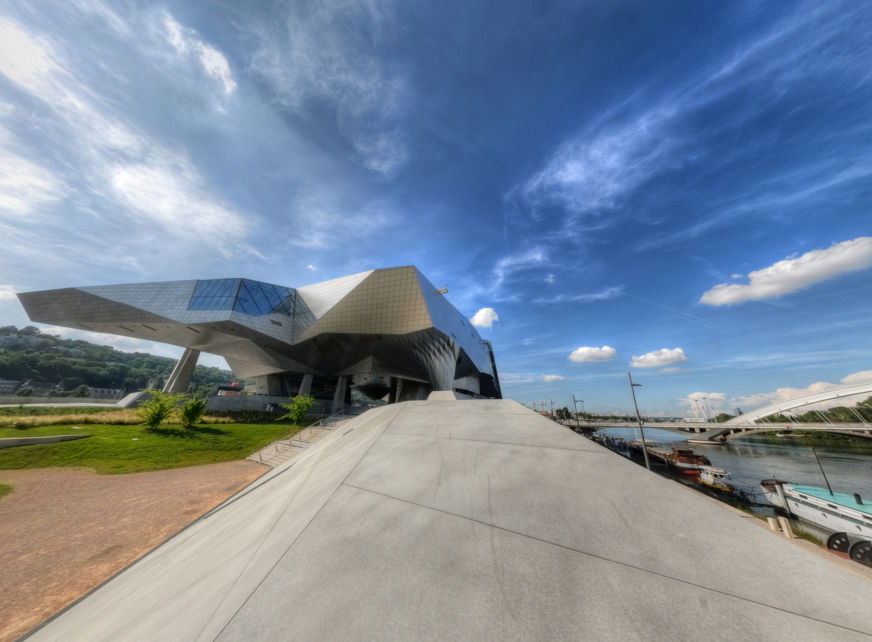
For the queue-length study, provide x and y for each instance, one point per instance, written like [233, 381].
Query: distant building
[381, 332]
[106, 393]
[8, 386]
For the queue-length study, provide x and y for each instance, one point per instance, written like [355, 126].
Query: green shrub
[160, 407]
[192, 411]
[298, 408]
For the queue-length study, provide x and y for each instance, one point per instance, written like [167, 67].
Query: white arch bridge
[746, 424]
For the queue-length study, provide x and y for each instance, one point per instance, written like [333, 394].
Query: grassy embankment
[24, 417]
[124, 445]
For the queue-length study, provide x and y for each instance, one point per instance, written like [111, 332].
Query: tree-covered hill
[28, 354]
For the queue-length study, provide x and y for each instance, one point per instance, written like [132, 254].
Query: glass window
[242, 295]
[214, 294]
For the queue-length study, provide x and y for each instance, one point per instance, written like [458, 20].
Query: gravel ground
[63, 531]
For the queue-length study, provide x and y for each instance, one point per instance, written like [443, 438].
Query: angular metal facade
[381, 330]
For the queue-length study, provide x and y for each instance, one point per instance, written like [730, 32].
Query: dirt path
[63, 531]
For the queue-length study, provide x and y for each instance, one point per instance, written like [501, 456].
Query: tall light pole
[574, 405]
[633, 387]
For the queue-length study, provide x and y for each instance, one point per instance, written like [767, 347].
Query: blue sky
[682, 189]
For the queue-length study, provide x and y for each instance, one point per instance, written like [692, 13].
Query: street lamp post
[633, 387]
[575, 405]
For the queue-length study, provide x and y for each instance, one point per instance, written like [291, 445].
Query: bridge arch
[798, 402]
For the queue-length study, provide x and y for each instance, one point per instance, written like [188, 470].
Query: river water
[750, 459]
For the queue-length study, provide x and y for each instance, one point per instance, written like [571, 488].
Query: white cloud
[793, 274]
[759, 399]
[588, 353]
[697, 401]
[589, 297]
[22, 58]
[671, 369]
[7, 293]
[187, 41]
[311, 267]
[484, 318]
[857, 377]
[658, 358]
[551, 377]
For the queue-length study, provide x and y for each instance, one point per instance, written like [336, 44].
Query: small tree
[159, 407]
[298, 408]
[192, 411]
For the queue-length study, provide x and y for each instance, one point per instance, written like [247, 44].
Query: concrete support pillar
[268, 385]
[306, 385]
[339, 395]
[180, 378]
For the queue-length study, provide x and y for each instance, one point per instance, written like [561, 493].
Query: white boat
[836, 512]
[715, 477]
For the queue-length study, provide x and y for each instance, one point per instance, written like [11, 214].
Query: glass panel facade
[214, 294]
[242, 295]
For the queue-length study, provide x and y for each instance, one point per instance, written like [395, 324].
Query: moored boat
[687, 461]
[714, 477]
[834, 512]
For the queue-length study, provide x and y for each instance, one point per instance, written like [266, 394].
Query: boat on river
[687, 461]
[847, 516]
[715, 477]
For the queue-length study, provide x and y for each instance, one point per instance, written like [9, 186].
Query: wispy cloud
[187, 41]
[587, 354]
[551, 377]
[149, 183]
[506, 267]
[24, 185]
[593, 172]
[789, 275]
[659, 358]
[602, 295]
[326, 54]
[596, 171]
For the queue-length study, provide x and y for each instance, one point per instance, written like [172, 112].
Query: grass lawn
[133, 449]
[5, 489]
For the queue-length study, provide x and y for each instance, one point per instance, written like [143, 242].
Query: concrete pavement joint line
[606, 559]
[244, 492]
[318, 455]
[257, 549]
[302, 530]
[501, 443]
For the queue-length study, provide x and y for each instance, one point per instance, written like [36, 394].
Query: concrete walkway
[470, 520]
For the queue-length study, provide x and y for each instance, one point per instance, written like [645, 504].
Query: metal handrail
[325, 423]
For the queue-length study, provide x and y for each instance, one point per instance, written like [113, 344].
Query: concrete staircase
[281, 451]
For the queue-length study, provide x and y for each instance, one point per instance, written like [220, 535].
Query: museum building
[386, 332]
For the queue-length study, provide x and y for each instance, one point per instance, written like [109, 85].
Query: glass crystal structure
[385, 331]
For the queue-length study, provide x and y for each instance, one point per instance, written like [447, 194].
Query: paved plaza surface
[470, 520]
